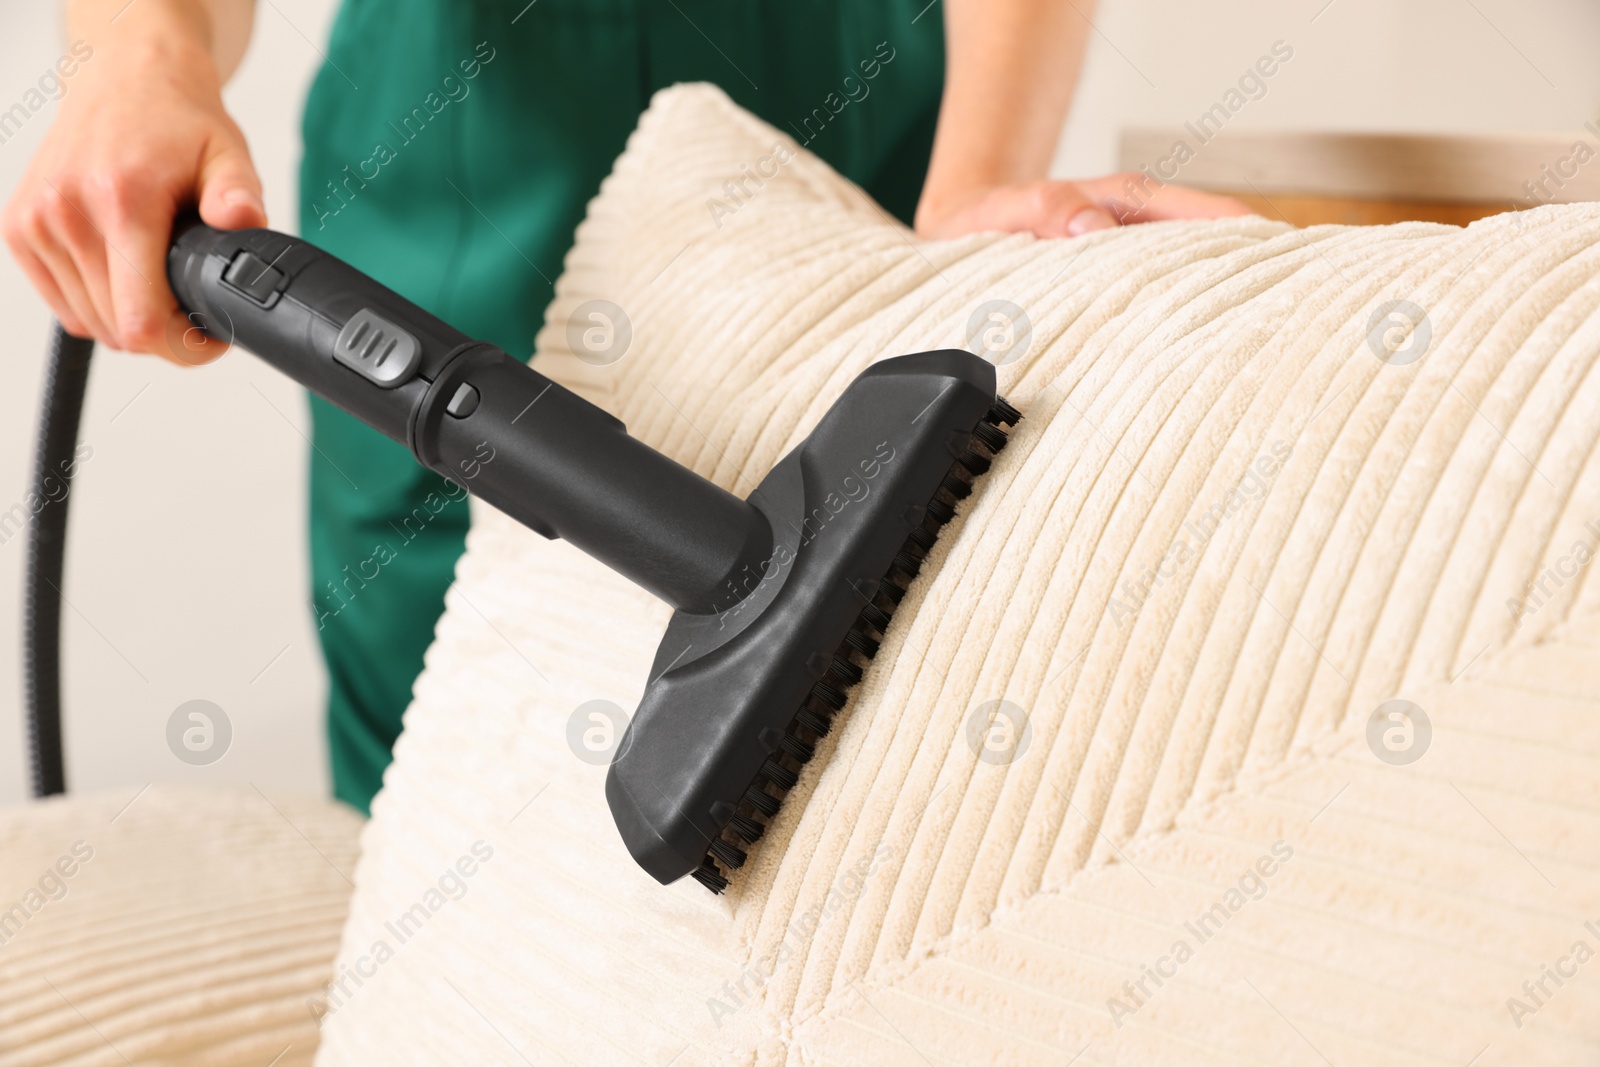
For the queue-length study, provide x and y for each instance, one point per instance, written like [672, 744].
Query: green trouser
[450, 149]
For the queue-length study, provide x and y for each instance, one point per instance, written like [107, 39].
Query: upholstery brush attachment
[781, 599]
[738, 699]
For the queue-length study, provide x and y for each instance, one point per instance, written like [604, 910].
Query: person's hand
[140, 133]
[1071, 208]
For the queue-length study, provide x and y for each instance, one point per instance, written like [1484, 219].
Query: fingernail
[1088, 220]
[242, 198]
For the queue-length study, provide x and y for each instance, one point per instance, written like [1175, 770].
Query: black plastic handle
[467, 410]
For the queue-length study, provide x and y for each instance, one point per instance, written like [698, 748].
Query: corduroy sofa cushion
[169, 926]
[1252, 502]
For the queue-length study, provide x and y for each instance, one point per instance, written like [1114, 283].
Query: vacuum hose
[66, 374]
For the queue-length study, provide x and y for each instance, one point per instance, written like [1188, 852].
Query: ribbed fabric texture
[1197, 767]
[169, 926]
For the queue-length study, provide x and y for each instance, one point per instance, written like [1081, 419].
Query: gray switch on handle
[464, 402]
[377, 349]
[253, 276]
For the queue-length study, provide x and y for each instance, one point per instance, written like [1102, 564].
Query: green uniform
[450, 149]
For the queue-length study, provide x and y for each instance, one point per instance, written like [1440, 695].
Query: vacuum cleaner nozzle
[779, 597]
[738, 699]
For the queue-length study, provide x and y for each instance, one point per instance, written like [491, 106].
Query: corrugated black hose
[66, 374]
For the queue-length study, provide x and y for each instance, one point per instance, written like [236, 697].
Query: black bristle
[796, 749]
[761, 800]
[990, 437]
[778, 774]
[730, 854]
[746, 827]
[862, 643]
[830, 694]
[814, 721]
[708, 875]
[1002, 413]
[823, 693]
[846, 671]
[875, 616]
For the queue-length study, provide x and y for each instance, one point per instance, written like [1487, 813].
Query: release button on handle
[377, 349]
[253, 276]
[463, 403]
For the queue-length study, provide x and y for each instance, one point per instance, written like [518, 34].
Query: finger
[1178, 202]
[78, 235]
[1138, 198]
[1046, 209]
[1059, 209]
[59, 262]
[228, 187]
[138, 231]
[46, 286]
[187, 341]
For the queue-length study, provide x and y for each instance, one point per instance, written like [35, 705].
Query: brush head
[737, 700]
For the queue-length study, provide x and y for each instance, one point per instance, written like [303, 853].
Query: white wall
[187, 561]
[1441, 66]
